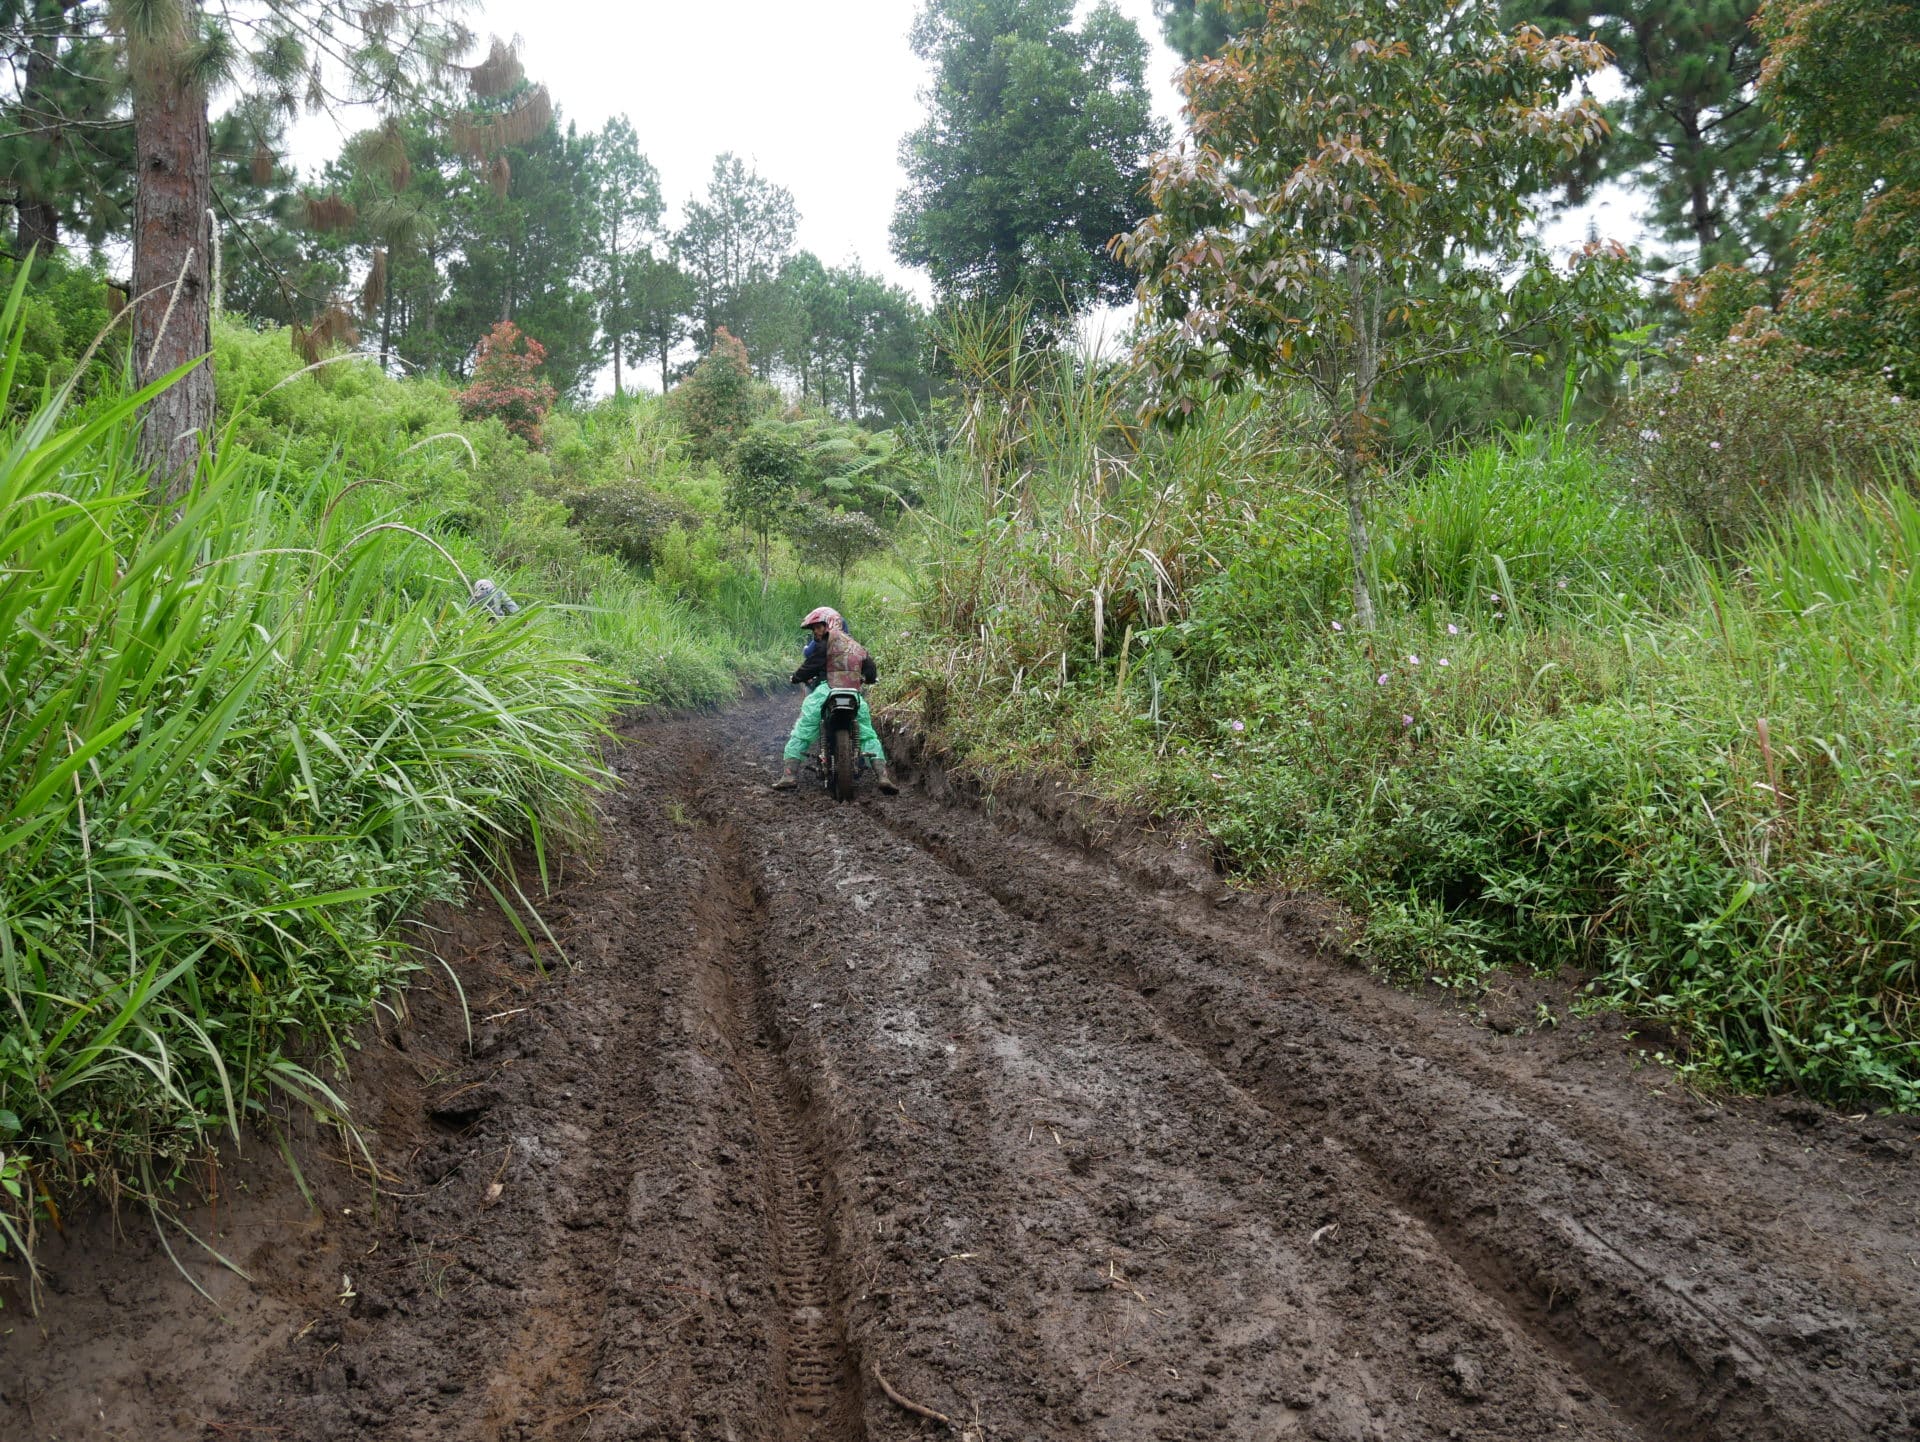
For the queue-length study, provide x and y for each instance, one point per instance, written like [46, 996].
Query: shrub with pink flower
[504, 383]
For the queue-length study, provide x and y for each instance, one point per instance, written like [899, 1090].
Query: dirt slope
[891, 1091]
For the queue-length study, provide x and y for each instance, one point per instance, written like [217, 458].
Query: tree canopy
[1690, 128]
[1844, 78]
[1033, 155]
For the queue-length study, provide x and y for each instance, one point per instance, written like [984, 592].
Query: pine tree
[731, 242]
[1691, 127]
[66, 148]
[321, 52]
[626, 214]
[1200, 27]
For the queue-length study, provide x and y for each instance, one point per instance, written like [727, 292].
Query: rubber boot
[887, 783]
[789, 776]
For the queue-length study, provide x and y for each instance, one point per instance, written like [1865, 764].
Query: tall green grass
[239, 740]
[1571, 741]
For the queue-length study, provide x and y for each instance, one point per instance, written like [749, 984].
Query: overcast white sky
[815, 96]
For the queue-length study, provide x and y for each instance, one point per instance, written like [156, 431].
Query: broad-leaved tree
[1352, 212]
[1033, 155]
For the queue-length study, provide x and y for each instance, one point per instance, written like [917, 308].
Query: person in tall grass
[492, 598]
[833, 661]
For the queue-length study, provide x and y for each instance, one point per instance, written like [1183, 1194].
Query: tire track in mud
[818, 1390]
[1682, 1366]
[819, 1396]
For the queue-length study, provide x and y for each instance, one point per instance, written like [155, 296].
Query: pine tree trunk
[619, 320]
[1699, 199]
[172, 323]
[386, 321]
[36, 218]
[37, 226]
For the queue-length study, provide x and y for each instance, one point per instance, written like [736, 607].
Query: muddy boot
[887, 783]
[789, 776]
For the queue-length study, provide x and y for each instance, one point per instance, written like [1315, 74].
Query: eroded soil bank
[845, 1109]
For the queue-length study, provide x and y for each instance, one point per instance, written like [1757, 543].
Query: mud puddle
[886, 1121]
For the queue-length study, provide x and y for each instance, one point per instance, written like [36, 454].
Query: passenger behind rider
[832, 657]
[813, 660]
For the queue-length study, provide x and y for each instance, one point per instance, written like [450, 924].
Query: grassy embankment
[242, 740]
[1573, 740]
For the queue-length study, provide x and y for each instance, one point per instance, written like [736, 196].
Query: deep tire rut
[818, 1385]
[1695, 1373]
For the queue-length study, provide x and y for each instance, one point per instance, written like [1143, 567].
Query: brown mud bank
[850, 1115]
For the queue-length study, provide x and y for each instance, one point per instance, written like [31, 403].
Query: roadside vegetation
[1571, 738]
[1620, 679]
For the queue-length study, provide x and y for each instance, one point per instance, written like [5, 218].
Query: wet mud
[914, 1118]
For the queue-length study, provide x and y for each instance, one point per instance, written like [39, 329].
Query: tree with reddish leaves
[505, 384]
[1843, 76]
[1352, 213]
[717, 402]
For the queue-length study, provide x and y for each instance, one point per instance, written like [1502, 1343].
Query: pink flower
[1238, 725]
[1452, 630]
[1338, 627]
[1713, 445]
[1445, 662]
[1406, 720]
[1383, 679]
[1413, 660]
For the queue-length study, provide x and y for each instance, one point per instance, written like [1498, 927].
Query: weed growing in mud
[1570, 739]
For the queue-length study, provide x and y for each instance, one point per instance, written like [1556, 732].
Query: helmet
[482, 587]
[821, 616]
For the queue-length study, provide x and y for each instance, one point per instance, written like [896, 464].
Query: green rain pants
[806, 729]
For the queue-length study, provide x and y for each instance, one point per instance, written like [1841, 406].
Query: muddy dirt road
[849, 1116]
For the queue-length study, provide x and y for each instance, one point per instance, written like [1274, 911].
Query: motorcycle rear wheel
[843, 763]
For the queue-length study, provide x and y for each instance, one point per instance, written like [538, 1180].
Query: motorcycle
[839, 758]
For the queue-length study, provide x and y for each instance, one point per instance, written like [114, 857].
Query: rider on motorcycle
[834, 661]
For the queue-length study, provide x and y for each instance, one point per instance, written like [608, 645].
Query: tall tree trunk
[1355, 429]
[386, 317]
[172, 323]
[619, 319]
[1699, 198]
[665, 350]
[37, 219]
[1701, 204]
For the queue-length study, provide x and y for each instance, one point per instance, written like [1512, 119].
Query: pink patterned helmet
[822, 616]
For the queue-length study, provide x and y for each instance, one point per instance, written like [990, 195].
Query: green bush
[65, 309]
[835, 539]
[1745, 430]
[624, 519]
